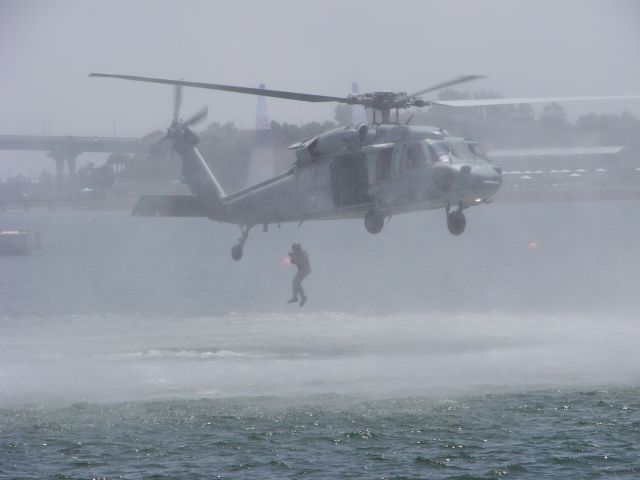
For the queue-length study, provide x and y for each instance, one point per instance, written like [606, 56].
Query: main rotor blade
[304, 97]
[177, 103]
[196, 117]
[448, 83]
[515, 101]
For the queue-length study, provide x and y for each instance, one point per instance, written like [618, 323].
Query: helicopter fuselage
[361, 171]
[350, 171]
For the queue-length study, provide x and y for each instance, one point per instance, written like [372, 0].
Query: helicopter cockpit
[454, 164]
[458, 150]
[440, 151]
[451, 151]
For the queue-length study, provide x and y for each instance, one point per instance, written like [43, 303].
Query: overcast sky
[526, 48]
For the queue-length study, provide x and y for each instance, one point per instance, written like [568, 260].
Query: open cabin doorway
[349, 180]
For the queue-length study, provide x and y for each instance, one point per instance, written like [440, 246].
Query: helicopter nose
[486, 179]
[443, 176]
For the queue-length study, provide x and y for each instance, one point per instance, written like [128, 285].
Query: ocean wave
[199, 354]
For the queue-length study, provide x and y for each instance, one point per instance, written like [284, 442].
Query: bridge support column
[60, 156]
[59, 173]
[71, 163]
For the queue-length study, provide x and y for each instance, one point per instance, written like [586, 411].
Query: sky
[524, 47]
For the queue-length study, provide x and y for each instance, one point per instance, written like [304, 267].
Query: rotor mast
[384, 102]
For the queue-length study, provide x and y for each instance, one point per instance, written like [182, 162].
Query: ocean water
[137, 348]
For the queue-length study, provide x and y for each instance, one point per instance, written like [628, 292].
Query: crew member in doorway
[300, 259]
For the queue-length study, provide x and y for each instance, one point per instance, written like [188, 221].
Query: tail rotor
[180, 129]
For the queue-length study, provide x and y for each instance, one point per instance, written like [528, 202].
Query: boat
[16, 242]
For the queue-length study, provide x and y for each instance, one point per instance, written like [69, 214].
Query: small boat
[15, 242]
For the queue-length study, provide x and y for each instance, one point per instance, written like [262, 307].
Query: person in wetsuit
[300, 259]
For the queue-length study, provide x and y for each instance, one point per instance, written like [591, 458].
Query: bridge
[67, 148]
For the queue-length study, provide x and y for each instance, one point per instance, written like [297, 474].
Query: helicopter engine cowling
[337, 140]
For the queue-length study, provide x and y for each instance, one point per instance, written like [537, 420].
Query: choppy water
[550, 433]
[136, 348]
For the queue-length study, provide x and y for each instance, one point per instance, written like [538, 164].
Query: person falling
[300, 259]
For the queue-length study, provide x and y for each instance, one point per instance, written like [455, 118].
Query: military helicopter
[369, 171]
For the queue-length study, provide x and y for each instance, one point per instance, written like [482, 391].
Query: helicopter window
[477, 150]
[461, 151]
[383, 165]
[440, 151]
[415, 156]
[398, 160]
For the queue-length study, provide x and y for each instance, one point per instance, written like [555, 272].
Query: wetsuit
[300, 259]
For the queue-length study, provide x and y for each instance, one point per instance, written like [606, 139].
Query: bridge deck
[73, 145]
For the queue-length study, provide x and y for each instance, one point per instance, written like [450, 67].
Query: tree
[553, 115]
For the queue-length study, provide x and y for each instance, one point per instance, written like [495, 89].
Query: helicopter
[363, 171]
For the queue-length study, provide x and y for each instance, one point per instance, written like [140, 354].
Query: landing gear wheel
[456, 222]
[373, 221]
[237, 249]
[236, 252]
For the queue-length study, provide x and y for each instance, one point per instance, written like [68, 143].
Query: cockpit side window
[383, 165]
[440, 151]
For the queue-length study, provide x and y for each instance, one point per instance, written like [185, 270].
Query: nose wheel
[238, 249]
[456, 222]
[373, 221]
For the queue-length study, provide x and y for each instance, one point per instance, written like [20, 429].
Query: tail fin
[195, 169]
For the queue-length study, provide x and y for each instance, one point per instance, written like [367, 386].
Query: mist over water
[117, 308]
[128, 358]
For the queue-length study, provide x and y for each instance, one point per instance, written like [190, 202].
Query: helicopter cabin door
[380, 164]
[349, 180]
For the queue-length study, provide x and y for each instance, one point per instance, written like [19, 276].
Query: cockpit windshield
[461, 151]
[456, 150]
[478, 151]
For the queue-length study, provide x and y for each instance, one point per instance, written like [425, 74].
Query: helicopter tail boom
[170, 206]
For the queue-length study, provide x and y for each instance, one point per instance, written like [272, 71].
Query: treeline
[512, 126]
